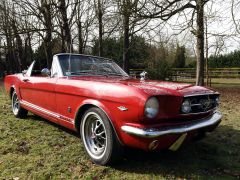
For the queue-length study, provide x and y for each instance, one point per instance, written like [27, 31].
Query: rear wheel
[17, 110]
[99, 138]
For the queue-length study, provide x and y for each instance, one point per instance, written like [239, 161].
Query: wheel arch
[12, 89]
[87, 105]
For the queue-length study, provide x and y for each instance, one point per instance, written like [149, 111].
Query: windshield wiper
[94, 73]
[85, 73]
[77, 73]
[117, 74]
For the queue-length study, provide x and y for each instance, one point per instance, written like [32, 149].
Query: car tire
[99, 138]
[17, 110]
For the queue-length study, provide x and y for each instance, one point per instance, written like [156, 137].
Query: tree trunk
[30, 48]
[63, 42]
[80, 38]
[100, 29]
[48, 51]
[9, 42]
[9, 54]
[19, 49]
[206, 59]
[5, 52]
[65, 25]
[126, 43]
[46, 11]
[1, 63]
[200, 43]
[16, 63]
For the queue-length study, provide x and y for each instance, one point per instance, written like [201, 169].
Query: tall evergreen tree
[180, 58]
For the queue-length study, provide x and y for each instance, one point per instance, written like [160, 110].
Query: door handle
[25, 80]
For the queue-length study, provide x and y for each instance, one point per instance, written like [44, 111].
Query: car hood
[152, 87]
[169, 88]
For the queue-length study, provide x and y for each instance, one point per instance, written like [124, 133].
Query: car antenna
[69, 58]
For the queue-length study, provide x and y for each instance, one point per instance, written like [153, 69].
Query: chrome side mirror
[45, 72]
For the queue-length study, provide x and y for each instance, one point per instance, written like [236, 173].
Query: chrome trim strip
[203, 94]
[203, 112]
[215, 119]
[45, 111]
[196, 104]
[122, 108]
[39, 109]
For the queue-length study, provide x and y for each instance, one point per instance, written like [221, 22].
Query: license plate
[175, 146]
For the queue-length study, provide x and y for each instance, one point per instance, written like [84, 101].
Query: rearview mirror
[45, 72]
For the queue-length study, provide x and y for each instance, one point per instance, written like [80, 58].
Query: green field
[34, 148]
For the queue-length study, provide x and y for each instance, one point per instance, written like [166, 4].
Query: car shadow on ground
[217, 154]
[38, 118]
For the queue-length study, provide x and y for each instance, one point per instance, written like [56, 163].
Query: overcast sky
[221, 30]
[222, 35]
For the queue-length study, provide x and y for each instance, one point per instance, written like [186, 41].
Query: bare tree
[6, 23]
[99, 8]
[200, 42]
[66, 22]
[235, 9]
[44, 13]
[131, 24]
[45, 10]
[164, 10]
[126, 9]
[84, 19]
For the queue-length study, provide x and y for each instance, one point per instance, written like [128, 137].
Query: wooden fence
[135, 72]
[215, 75]
[189, 73]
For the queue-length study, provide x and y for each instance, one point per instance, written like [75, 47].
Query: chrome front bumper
[210, 121]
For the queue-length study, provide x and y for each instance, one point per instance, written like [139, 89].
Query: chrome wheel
[94, 135]
[15, 104]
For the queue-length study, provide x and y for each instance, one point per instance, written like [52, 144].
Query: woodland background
[137, 34]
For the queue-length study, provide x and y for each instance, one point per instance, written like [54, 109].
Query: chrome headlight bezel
[186, 106]
[217, 101]
[151, 108]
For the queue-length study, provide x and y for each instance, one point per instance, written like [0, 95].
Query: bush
[160, 71]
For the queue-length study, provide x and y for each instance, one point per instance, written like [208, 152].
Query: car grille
[202, 103]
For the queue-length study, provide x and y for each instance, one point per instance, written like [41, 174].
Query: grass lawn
[34, 148]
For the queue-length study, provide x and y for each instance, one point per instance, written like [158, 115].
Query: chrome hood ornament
[143, 75]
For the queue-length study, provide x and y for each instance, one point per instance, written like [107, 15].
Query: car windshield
[74, 65]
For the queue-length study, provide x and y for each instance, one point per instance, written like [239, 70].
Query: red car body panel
[60, 99]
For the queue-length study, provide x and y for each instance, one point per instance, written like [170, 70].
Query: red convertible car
[95, 97]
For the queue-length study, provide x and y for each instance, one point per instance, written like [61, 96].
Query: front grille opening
[202, 103]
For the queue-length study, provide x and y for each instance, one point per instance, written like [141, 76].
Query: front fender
[116, 116]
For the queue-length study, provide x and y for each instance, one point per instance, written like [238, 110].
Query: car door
[26, 85]
[38, 91]
[43, 91]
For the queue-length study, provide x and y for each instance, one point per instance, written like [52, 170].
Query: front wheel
[99, 139]
[17, 110]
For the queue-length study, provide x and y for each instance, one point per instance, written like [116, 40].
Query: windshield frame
[119, 72]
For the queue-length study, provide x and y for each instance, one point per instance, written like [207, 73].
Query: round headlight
[151, 107]
[186, 106]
